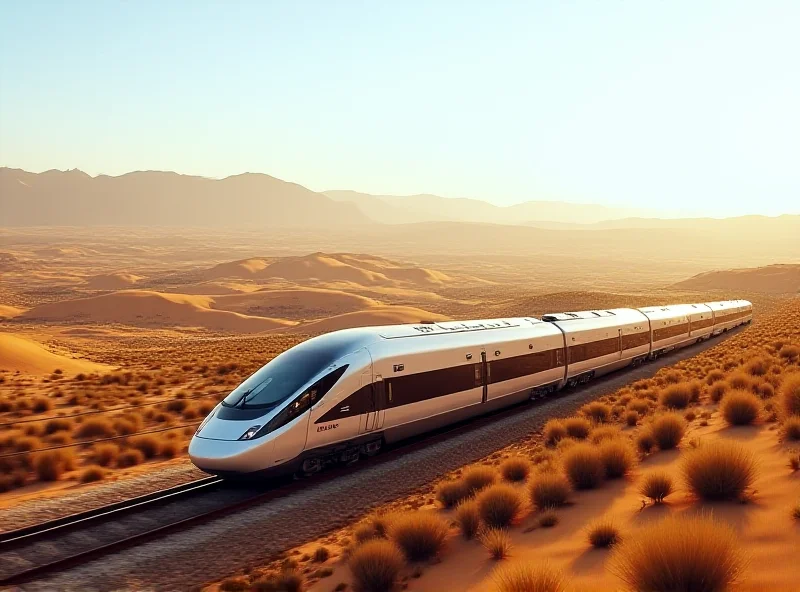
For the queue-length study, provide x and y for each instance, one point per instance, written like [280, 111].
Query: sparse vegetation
[741, 407]
[450, 493]
[550, 490]
[720, 471]
[376, 566]
[656, 486]
[500, 505]
[419, 535]
[515, 469]
[679, 553]
[477, 478]
[583, 466]
[667, 430]
[497, 542]
[468, 518]
[603, 534]
[618, 457]
[525, 577]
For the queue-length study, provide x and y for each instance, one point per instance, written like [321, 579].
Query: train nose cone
[231, 456]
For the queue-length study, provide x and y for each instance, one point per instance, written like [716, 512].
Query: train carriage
[344, 394]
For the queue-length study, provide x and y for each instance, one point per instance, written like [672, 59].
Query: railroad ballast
[342, 395]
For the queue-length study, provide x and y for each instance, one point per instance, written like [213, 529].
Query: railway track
[54, 545]
[39, 551]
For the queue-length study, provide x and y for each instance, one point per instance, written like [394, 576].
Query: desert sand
[23, 355]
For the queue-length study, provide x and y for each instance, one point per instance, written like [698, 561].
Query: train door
[485, 370]
[620, 343]
[376, 402]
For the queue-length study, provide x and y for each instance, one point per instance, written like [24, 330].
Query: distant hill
[772, 279]
[391, 209]
[153, 198]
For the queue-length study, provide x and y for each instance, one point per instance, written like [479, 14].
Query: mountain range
[250, 199]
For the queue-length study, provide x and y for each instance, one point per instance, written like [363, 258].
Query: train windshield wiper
[243, 398]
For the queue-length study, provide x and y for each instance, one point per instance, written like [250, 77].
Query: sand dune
[364, 270]
[24, 355]
[772, 279]
[112, 281]
[9, 312]
[386, 315]
[302, 303]
[140, 307]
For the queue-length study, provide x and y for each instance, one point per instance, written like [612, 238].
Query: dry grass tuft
[554, 431]
[500, 505]
[92, 473]
[602, 433]
[656, 486]
[496, 541]
[676, 396]
[480, 477]
[597, 412]
[516, 469]
[645, 441]
[450, 493]
[525, 577]
[631, 418]
[51, 464]
[618, 458]
[719, 471]
[468, 517]
[376, 566]
[550, 490]
[130, 458]
[548, 519]
[741, 407]
[603, 534]
[105, 454]
[668, 430]
[717, 391]
[790, 395]
[420, 535]
[791, 428]
[578, 427]
[679, 553]
[95, 427]
[584, 466]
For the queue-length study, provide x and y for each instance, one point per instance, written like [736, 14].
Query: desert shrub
[714, 376]
[91, 474]
[603, 533]
[656, 486]
[105, 454]
[376, 566]
[617, 457]
[27, 444]
[147, 444]
[757, 367]
[597, 412]
[578, 427]
[124, 427]
[420, 535]
[766, 390]
[57, 425]
[667, 430]
[468, 518]
[796, 511]
[640, 406]
[740, 407]
[549, 490]
[176, 405]
[791, 428]
[130, 458]
[794, 462]
[321, 554]
[631, 418]
[554, 431]
[169, 448]
[51, 464]
[790, 395]
[41, 404]
[496, 541]
[527, 577]
[789, 352]
[676, 396]
[515, 469]
[477, 478]
[95, 427]
[381, 521]
[500, 505]
[717, 391]
[679, 553]
[548, 519]
[584, 466]
[364, 532]
[740, 380]
[59, 439]
[604, 433]
[722, 470]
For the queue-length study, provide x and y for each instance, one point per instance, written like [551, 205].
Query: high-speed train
[344, 394]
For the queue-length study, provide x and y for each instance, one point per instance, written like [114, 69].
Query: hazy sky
[691, 106]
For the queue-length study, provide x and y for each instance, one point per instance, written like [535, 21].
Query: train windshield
[285, 375]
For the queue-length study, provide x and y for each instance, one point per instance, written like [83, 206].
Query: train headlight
[251, 431]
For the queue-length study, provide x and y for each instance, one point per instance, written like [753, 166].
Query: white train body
[340, 395]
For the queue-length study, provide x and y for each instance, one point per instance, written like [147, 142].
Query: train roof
[448, 327]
